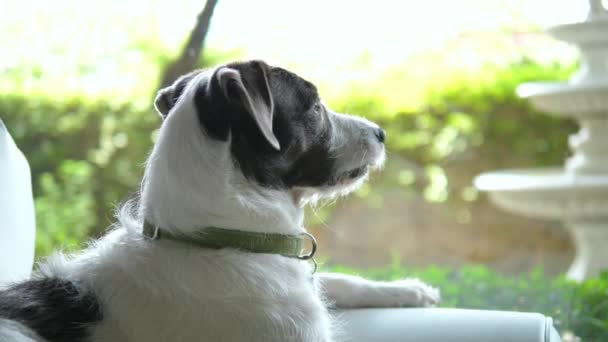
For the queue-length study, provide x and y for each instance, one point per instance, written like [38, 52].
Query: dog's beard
[323, 193]
[339, 184]
[344, 179]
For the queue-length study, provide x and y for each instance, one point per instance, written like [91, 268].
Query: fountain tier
[576, 194]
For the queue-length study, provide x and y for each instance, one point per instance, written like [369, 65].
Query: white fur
[168, 291]
[354, 142]
[11, 331]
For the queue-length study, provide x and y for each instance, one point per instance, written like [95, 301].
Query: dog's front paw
[413, 293]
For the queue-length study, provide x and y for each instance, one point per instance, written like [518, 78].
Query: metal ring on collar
[313, 248]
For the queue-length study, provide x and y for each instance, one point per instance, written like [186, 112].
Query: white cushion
[17, 220]
[445, 325]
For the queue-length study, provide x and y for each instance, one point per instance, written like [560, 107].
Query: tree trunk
[192, 51]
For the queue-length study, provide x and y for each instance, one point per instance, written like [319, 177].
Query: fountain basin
[567, 99]
[549, 193]
[583, 33]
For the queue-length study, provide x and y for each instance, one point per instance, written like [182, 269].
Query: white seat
[445, 325]
[17, 217]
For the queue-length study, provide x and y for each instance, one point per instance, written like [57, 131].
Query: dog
[243, 147]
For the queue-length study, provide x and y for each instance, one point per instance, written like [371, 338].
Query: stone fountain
[577, 193]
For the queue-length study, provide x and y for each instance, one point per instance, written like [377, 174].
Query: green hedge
[86, 154]
[581, 308]
[466, 124]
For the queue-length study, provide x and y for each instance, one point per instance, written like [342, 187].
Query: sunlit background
[77, 79]
[114, 46]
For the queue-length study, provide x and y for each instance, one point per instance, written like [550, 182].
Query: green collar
[292, 246]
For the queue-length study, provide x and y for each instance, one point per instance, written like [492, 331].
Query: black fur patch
[57, 309]
[300, 124]
[213, 110]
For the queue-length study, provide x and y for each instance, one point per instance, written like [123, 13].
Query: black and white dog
[243, 146]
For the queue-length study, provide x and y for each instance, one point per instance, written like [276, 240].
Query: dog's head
[279, 133]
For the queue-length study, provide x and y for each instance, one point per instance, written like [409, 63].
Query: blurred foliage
[86, 153]
[464, 124]
[85, 156]
[581, 308]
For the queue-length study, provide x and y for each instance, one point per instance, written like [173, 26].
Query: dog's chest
[225, 297]
[296, 320]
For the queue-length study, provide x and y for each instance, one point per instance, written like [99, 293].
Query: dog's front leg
[345, 291]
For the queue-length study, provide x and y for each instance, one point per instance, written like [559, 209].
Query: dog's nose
[380, 134]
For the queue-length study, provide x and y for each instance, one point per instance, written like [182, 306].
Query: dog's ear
[164, 101]
[167, 97]
[247, 87]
